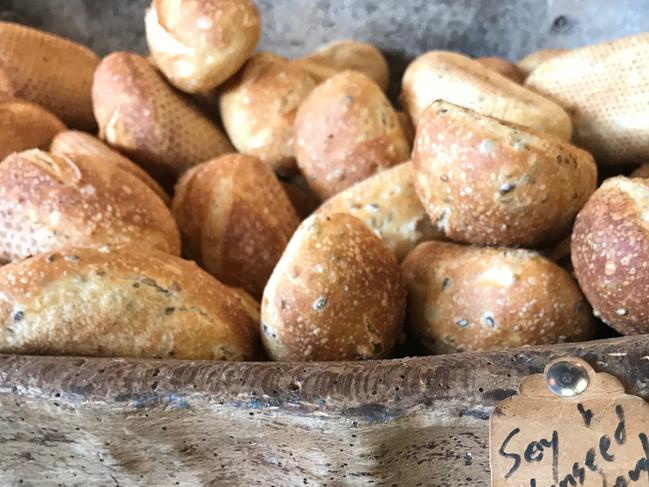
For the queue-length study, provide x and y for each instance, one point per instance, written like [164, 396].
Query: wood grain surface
[408, 422]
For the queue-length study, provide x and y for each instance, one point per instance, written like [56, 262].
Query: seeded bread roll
[387, 202]
[48, 70]
[48, 202]
[25, 125]
[198, 44]
[346, 55]
[121, 303]
[235, 219]
[532, 61]
[504, 67]
[258, 108]
[458, 79]
[641, 172]
[75, 142]
[345, 131]
[610, 253]
[470, 298]
[488, 182]
[336, 294]
[142, 116]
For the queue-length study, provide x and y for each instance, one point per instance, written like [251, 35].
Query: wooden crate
[408, 422]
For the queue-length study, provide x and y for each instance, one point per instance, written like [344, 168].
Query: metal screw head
[567, 379]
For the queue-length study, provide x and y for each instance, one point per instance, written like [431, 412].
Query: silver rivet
[567, 378]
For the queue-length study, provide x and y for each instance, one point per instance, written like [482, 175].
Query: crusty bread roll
[25, 125]
[488, 182]
[48, 202]
[75, 142]
[604, 87]
[258, 108]
[198, 44]
[463, 298]
[610, 252]
[121, 303]
[387, 202]
[142, 116]
[302, 198]
[48, 70]
[504, 67]
[345, 131]
[336, 294]
[235, 219]
[407, 127]
[641, 172]
[532, 61]
[458, 79]
[346, 55]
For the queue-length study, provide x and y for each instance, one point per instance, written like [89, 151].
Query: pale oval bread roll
[463, 298]
[25, 125]
[235, 219]
[387, 202]
[345, 131]
[143, 117]
[123, 302]
[504, 67]
[258, 108]
[76, 142]
[48, 202]
[605, 88]
[336, 294]
[488, 182]
[344, 55]
[48, 70]
[463, 81]
[532, 61]
[198, 44]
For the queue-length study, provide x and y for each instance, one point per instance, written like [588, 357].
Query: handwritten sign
[597, 438]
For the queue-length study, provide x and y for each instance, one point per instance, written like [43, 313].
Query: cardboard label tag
[599, 437]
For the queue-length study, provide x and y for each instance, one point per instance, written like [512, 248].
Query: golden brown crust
[48, 202]
[458, 79]
[346, 130]
[121, 303]
[142, 116]
[75, 142]
[469, 298]
[344, 55]
[532, 61]
[258, 108]
[610, 253]
[25, 125]
[198, 44]
[485, 181]
[336, 294]
[48, 70]
[388, 203]
[504, 67]
[235, 218]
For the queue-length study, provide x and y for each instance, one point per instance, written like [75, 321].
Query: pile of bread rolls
[213, 202]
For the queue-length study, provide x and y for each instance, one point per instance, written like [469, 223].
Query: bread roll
[121, 303]
[25, 125]
[488, 182]
[469, 298]
[302, 198]
[504, 67]
[258, 109]
[610, 253]
[75, 142]
[346, 130]
[235, 219]
[346, 55]
[388, 204]
[407, 127]
[466, 82]
[48, 202]
[48, 70]
[641, 172]
[336, 294]
[198, 44]
[532, 61]
[604, 87]
[142, 116]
